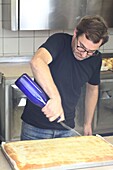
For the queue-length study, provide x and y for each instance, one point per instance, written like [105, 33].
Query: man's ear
[75, 33]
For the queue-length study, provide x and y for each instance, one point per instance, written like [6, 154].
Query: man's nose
[84, 55]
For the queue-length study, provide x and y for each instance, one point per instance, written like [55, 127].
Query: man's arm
[42, 74]
[90, 104]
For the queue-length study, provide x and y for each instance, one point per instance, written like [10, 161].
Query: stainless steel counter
[12, 67]
[5, 166]
[14, 70]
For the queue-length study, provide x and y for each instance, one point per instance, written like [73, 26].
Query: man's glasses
[82, 49]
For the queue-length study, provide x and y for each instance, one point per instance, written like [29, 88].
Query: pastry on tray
[59, 153]
[107, 64]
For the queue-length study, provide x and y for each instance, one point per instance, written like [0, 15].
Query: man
[61, 66]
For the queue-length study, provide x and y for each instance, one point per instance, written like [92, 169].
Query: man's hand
[53, 110]
[87, 130]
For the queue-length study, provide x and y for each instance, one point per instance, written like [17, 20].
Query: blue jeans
[29, 132]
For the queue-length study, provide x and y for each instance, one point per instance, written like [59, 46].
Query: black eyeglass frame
[89, 52]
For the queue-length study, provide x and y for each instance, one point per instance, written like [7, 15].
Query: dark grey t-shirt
[69, 75]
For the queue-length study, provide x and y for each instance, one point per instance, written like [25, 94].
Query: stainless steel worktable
[5, 166]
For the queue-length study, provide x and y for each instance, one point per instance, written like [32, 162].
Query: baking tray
[63, 167]
[9, 160]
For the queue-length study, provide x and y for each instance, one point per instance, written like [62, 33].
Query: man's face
[84, 48]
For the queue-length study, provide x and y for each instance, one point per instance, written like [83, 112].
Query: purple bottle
[32, 90]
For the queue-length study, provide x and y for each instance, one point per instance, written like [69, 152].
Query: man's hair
[95, 28]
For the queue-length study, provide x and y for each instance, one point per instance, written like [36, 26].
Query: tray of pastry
[107, 64]
[59, 154]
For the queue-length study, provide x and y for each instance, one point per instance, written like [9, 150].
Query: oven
[12, 104]
[104, 110]
[12, 100]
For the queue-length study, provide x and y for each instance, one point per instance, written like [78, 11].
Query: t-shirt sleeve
[54, 44]
[95, 79]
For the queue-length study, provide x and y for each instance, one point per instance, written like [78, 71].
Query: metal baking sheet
[9, 160]
[63, 167]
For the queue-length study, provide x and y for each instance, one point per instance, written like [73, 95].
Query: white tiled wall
[26, 42]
